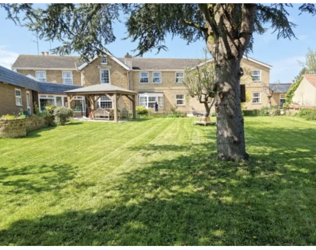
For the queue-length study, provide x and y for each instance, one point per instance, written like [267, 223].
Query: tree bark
[230, 122]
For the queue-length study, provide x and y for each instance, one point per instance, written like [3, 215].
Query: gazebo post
[68, 100]
[115, 107]
[134, 106]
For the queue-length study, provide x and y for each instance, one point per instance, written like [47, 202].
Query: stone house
[154, 79]
[20, 92]
[305, 94]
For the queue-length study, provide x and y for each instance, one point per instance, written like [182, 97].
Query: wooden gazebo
[93, 94]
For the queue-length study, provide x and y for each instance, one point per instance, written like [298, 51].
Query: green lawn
[157, 182]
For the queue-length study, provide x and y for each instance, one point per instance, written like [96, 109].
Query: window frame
[259, 98]
[36, 72]
[160, 78]
[179, 77]
[140, 77]
[62, 74]
[252, 75]
[28, 102]
[180, 99]
[108, 75]
[110, 100]
[159, 98]
[20, 97]
[106, 60]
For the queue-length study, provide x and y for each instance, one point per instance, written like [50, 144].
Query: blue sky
[282, 54]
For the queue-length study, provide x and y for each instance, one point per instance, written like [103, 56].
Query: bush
[308, 114]
[140, 110]
[62, 115]
[7, 117]
[250, 112]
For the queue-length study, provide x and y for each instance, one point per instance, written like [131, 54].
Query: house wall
[54, 76]
[255, 86]
[7, 100]
[305, 94]
[170, 88]
[91, 75]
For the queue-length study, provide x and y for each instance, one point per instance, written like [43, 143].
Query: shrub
[62, 115]
[7, 117]
[308, 114]
[140, 110]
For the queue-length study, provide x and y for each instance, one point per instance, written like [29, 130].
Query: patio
[95, 92]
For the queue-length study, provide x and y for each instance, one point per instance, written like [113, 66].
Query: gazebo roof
[100, 89]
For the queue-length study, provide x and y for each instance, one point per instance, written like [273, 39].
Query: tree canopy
[88, 28]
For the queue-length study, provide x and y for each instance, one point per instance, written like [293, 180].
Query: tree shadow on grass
[35, 179]
[191, 199]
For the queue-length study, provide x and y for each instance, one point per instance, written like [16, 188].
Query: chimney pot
[43, 53]
[47, 53]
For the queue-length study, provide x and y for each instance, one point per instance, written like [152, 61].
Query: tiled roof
[161, 63]
[280, 87]
[311, 78]
[46, 62]
[55, 88]
[16, 79]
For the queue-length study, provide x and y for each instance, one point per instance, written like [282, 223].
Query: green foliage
[62, 115]
[248, 99]
[308, 114]
[264, 111]
[36, 109]
[289, 95]
[87, 28]
[141, 110]
[8, 117]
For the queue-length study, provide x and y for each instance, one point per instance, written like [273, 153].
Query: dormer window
[104, 60]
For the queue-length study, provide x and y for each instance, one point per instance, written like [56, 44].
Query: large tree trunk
[230, 123]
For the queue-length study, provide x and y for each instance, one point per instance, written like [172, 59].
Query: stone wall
[19, 127]
[34, 123]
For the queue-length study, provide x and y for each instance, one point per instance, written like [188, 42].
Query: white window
[18, 97]
[28, 102]
[40, 75]
[105, 102]
[180, 100]
[256, 75]
[67, 77]
[143, 77]
[78, 104]
[104, 60]
[148, 100]
[179, 77]
[46, 100]
[256, 97]
[156, 77]
[105, 76]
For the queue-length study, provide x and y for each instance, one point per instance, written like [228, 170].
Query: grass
[157, 182]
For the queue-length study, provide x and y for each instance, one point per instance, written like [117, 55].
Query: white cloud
[284, 70]
[7, 57]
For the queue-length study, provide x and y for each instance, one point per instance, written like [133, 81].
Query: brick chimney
[128, 60]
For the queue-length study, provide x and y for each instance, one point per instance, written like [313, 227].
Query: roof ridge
[48, 55]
